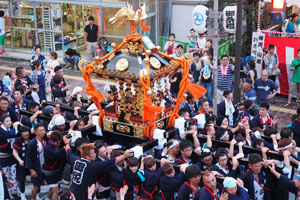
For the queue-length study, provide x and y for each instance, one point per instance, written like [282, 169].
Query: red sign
[286, 49]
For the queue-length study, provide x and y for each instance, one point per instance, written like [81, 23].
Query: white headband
[174, 144]
[282, 148]
[226, 133]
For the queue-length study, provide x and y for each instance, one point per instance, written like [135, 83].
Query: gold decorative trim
[138, 132]
[123, 129]
[108, 125]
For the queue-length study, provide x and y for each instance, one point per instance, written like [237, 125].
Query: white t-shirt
[41, 152]
[201, 43]
[2, 26]
[258, 191]
[178, 56]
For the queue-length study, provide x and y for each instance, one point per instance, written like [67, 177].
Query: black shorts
[37, 181]
[54, 179]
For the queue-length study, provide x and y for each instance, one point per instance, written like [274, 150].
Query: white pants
[91, 50]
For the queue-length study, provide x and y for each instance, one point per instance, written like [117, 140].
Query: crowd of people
[213, 161]
[190, 166]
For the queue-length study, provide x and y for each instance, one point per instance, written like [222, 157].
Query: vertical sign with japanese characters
[258, 40]
[229, 17]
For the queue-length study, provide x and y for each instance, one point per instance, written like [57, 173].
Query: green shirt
[296, 75]
[192, 44]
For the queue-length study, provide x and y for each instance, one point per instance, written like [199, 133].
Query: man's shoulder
[270, 82]
[251, 91]
[256, 117]
[86, 28]
[258, 80]
[32, 142]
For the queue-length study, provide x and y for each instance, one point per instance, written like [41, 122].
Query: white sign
[258, 41]
[229, 17]
[200, 18]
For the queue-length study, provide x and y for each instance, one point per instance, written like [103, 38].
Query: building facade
[59, 24]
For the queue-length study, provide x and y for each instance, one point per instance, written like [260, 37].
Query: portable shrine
[140, 73]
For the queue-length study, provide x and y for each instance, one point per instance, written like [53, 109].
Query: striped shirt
[225, 82]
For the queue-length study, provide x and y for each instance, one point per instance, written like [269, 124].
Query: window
[22, 14]
[23, 39]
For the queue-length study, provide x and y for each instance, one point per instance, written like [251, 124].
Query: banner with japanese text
[286, 49]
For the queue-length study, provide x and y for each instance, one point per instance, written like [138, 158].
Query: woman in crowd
[228, 109]
[52, 63]
[7, 160]
[293, 23]
[38, 57]
[38, 78]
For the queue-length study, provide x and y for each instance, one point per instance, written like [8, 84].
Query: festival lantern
[200, 18]
[229, 19]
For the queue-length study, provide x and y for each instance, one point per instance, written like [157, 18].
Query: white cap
[76, 89]
[59, 120]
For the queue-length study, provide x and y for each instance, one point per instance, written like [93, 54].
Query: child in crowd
[170, 45]
[192, 40]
